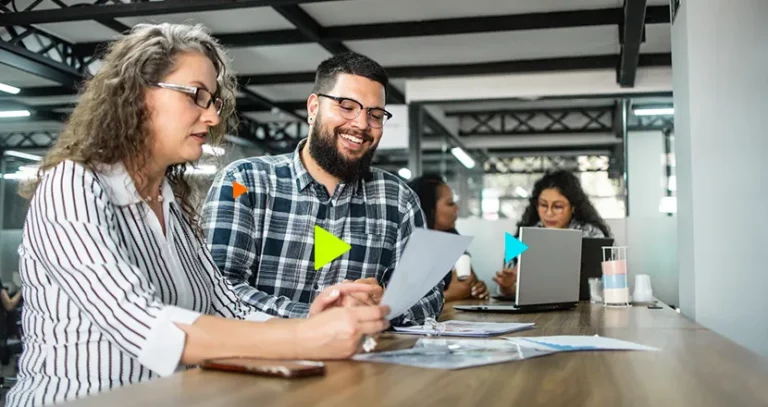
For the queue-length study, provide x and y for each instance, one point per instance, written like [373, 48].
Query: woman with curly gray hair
[119, 287]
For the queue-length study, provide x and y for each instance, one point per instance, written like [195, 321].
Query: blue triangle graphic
[512, 247]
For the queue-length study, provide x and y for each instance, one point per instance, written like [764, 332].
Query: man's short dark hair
[350, 63]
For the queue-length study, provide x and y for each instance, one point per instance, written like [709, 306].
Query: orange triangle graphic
[238, 189]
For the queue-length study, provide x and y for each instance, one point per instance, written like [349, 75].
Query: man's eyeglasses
[557, 208]
[202, 97]
[350, 109]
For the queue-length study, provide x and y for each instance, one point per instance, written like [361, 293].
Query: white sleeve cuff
[258, 316]
[162, 350]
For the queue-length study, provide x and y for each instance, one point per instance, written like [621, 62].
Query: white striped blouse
[103, 286]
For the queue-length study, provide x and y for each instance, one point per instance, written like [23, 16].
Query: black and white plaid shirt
[263, 240]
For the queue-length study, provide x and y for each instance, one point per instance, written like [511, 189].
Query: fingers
[350, 288]
[370, 313]
[369, 280]
[373, 327]
[357, 299]
[325, 300]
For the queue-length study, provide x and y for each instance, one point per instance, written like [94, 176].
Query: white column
[720, 60]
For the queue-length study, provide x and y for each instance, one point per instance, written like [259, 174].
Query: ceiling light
[654, 111]
[463, 157]
[14, 113]
[19, 154]
[9, 89]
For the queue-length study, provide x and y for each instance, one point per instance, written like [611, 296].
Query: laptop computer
[548, 273]
[591, 259]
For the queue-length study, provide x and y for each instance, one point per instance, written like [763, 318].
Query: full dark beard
[322, 148]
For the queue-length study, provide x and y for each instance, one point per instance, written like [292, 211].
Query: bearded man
[263, 240]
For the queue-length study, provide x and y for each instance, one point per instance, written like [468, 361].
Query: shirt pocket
[368, 255]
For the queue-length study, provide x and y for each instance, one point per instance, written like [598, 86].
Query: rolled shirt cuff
[164, 346]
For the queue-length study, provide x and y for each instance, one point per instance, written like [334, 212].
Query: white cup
[463, 267]
[643, 291]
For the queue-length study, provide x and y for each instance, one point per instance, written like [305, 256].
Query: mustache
[357, 133]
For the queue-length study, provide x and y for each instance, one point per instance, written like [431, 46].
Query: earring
[311, 119]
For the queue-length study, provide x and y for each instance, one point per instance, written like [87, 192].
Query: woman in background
[441, 211]
[557, 201]
[119, 286]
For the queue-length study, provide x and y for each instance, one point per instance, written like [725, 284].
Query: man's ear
[313, 107]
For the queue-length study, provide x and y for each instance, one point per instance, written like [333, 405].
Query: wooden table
[696, 367]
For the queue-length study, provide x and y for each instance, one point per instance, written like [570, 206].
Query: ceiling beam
[312, 30]
[261, 100]
[38, 65]
[425, 71]
[135, 9]
[485, 68]
[307, 32]
[631, 38]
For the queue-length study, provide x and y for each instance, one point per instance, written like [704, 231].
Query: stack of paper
[465, 329]
[416, 273]
[568, 343]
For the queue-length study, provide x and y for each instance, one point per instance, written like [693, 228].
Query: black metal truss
[552, 121]
[36, 52]
[27, 140]
[101, 9]
[275, 137]
[448, 26]
[45, 55]
[660, 123]
[541, 164]
[521, 122]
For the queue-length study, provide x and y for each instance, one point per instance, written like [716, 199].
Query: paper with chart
[465, 328]
[428, 256]
[567, 343]
[454, 353]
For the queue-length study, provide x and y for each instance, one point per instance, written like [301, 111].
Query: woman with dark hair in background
[557, 201]
[441, 211]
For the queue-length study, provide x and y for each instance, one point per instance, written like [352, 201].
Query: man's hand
[339, 295]
[371, 298]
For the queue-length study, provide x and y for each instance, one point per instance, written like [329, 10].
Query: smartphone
[265, 367]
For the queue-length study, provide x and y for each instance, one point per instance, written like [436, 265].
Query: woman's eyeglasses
[202, 97]
[557, 208]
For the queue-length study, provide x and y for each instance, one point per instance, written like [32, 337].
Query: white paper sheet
[467, 328]
[428, 256]
[568, 343]
[454, 353]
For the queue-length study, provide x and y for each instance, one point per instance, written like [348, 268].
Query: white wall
[645, 150]
[721, 93]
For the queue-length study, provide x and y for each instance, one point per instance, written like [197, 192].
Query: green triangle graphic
[327, 247]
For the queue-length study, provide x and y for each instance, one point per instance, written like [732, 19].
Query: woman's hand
[507, 280]
[345, 294]
[479, 290]
[338, 333]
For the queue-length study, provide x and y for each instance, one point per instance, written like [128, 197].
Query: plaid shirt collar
[304, 178]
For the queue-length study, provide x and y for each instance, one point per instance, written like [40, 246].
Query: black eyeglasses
[202, 97]
[351, 108]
